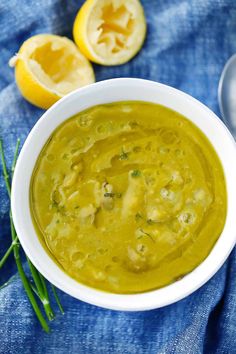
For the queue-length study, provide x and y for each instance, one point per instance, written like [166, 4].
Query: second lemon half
[48, 67]
[110, 32]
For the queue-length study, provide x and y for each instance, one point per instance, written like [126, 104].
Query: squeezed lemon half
[48, 67]
[110, 32]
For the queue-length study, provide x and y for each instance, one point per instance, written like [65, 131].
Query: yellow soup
[128, 196]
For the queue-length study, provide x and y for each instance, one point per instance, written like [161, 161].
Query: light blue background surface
[187, 44]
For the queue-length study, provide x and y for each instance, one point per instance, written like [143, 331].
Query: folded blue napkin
[188, 42]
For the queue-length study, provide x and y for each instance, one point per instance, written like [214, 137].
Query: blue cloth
[188, 42]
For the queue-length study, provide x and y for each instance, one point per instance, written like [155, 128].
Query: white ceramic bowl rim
[123, 89]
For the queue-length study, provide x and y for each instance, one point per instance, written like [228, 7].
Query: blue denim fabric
[188, 42]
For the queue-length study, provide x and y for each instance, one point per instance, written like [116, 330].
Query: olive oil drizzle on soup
[128, 197]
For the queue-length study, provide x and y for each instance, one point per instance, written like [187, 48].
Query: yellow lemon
[48, 67]
[110, 32]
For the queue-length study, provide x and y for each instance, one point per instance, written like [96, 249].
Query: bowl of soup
[124, 194]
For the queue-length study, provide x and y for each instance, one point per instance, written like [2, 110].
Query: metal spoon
[227, 94]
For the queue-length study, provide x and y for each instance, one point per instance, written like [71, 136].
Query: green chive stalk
[41, 290]
[57, 299]
[7, 254]
[5, 173]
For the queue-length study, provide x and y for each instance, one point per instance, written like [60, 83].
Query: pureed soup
[128, 197]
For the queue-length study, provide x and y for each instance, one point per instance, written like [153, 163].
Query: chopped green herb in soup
[128, 196]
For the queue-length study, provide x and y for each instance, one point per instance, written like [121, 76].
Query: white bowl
[110, 91]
